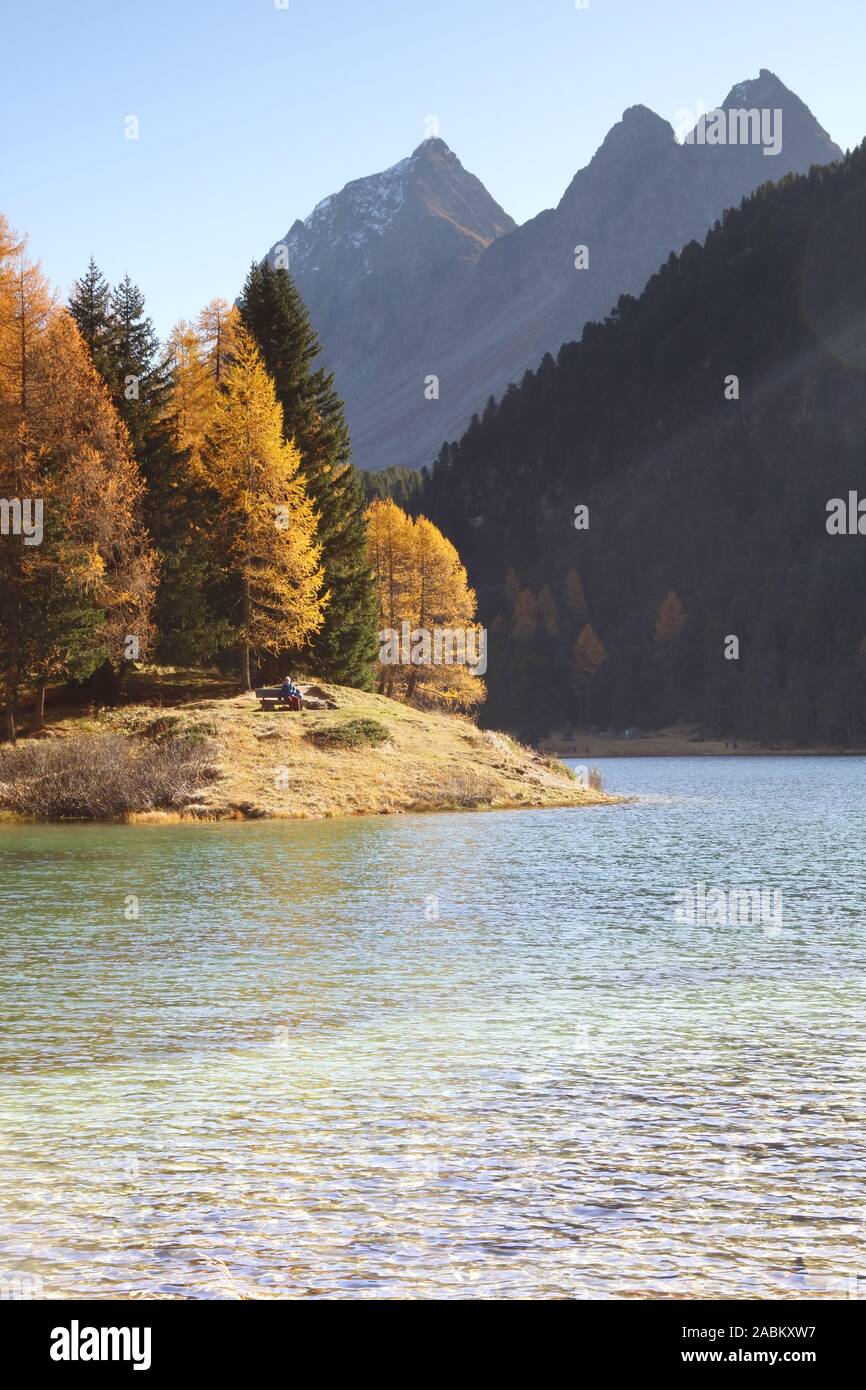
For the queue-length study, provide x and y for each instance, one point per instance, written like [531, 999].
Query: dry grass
[102, 776]
[304, 765]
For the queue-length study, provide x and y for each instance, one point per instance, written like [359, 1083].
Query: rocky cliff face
[417, 271]
[374, 262]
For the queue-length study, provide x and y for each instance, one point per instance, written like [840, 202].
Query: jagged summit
[639, 141]
[433, 147]
[765, 87]
[638, 129]
[640, 119]
[784, 138]
[769, 91]
[374, 219]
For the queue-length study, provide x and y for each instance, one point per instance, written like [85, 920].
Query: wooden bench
[271, 697]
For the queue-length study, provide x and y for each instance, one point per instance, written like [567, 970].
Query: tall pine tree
[136, 376]
[90, 306]
[272, 310]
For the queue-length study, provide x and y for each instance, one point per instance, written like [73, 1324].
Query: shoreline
[681, 742]
[166, 818]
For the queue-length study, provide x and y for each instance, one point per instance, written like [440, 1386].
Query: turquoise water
[447, 1055]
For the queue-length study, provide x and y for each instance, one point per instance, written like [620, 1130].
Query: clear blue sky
[250, 114]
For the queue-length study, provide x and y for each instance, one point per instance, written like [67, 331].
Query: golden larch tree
[444, 601]
[423, 596]
[194, 395]
[670, 620]
[389, 533]
[71, 596]
[548, 612]
[575, 598]
[525, 619]
[269, 534]
[587, 655]
[217, 330]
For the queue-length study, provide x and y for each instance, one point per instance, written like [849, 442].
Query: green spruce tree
[137, 378]
[275, 314]
[90, 306]
[179, 512]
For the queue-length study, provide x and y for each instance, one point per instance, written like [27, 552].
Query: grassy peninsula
[184, 747]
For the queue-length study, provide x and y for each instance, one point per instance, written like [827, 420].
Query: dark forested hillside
[707, 497]
[403, 485]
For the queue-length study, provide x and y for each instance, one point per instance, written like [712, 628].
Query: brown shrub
[102, 777]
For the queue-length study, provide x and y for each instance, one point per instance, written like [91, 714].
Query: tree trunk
[245, 646]
[39, 722]
[11, 709]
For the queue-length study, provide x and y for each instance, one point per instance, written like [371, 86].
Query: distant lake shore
[680, 742]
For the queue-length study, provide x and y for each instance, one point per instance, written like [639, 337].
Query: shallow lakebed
[442, 1055]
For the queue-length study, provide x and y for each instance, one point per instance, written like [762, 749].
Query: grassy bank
[227, 758]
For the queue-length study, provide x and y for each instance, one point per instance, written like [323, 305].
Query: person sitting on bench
[288, 690]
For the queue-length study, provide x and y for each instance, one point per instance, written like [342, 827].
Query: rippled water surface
[451, 1055]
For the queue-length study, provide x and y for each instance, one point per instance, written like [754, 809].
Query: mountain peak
[764, 89]
[805, 141]
[417, 269]
[427, 205]
[640, 132]
[641, 118]
[434, 147]
[639, 126]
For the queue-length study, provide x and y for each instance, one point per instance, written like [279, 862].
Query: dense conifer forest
[663, 488]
